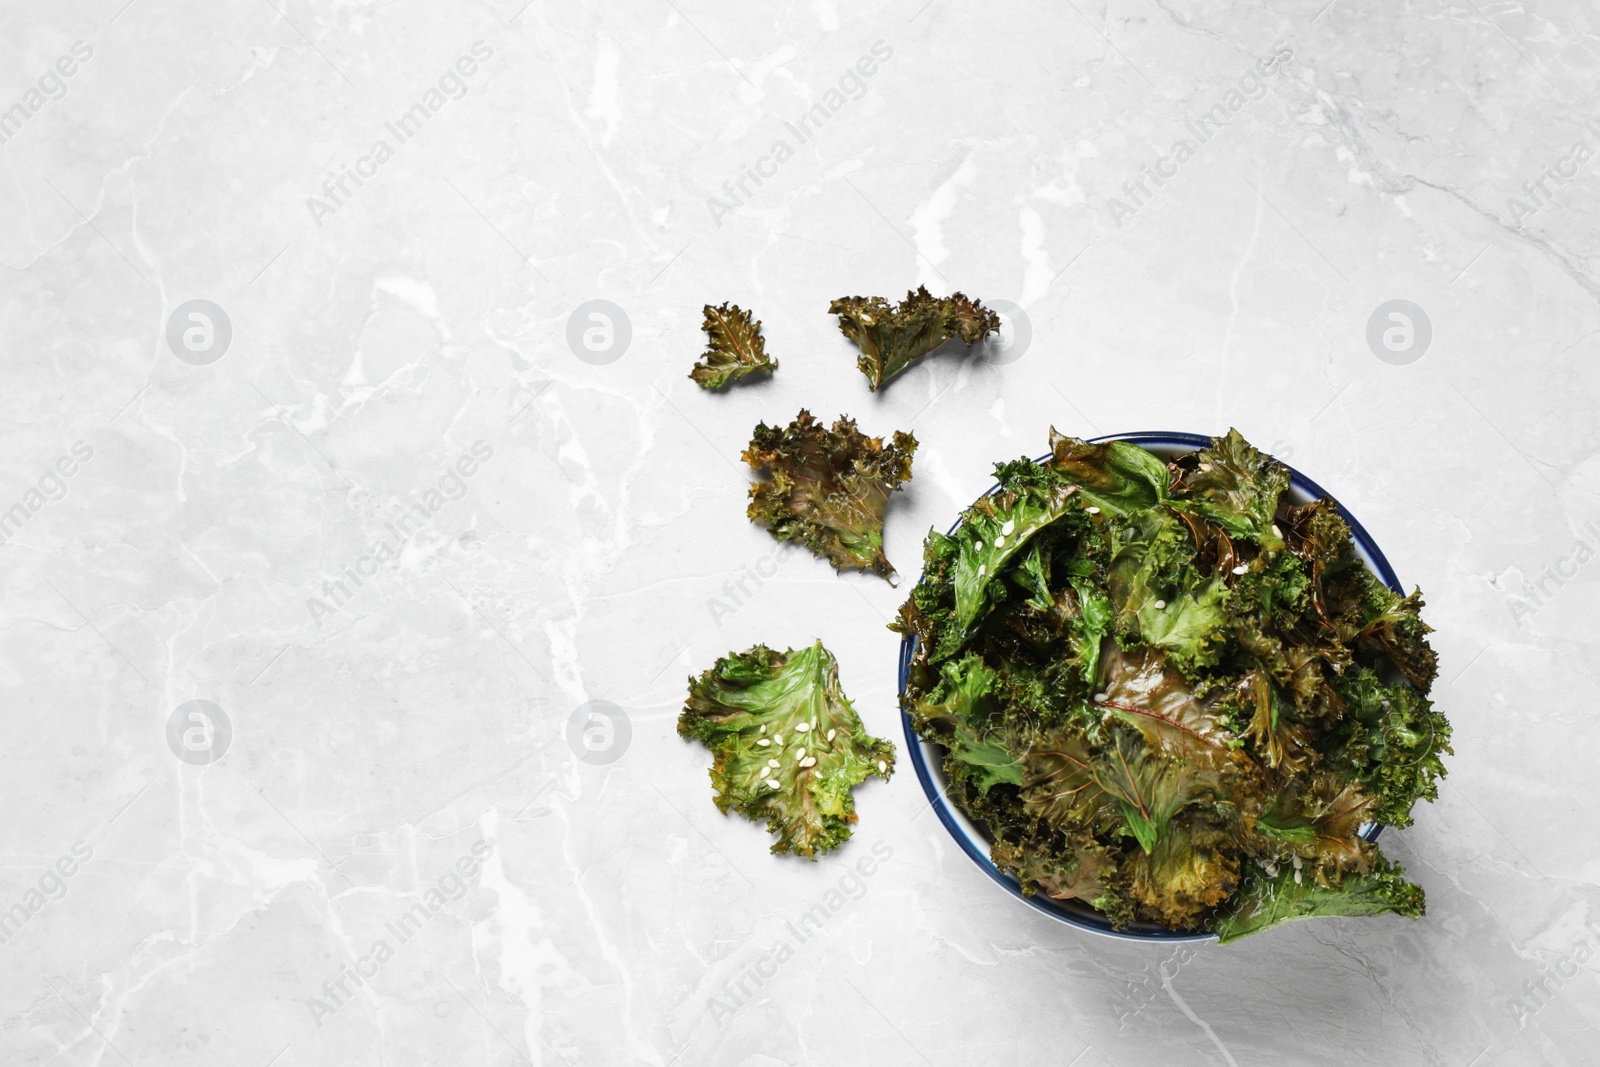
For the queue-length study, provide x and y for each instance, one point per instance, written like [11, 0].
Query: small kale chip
[1237, 487]
[829, 489]
[789, 746]
[893, 338]
[734, 348]
[1268, 900]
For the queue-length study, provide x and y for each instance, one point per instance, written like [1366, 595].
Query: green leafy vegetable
[1266, 900]
[788, 745]
[829, 489]
[1238, 488]
[960, 710]
[734, 348]
[1114, 476]
[1170, 695]
[892, 338]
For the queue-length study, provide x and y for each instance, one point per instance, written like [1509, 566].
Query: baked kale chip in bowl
[1164, 687]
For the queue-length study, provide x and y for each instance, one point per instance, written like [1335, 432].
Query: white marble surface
[378, 338]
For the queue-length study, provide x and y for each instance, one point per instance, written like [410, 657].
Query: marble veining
[359, 524]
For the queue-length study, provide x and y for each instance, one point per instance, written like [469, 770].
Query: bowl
[928, 758]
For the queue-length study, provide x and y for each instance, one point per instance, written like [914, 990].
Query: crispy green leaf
[761, 708]
[1238, 488]
[1267, 900]
[1150, 790]
[892, 338]
[1072, 785]
[1117, 477]
[1143, 690]
[1060, 782]
[829, 489]
[1188, 870]
[1321, 821]
[1392, 625]
[1278, 740]
[1061, 875]
[734, 348]
[1392, 741]
[1159, 592]
[1089, 629]
[994, 530]
[961, 712]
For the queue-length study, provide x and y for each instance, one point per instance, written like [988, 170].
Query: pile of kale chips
[1171, 696]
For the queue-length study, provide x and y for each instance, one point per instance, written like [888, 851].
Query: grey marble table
[349, 459]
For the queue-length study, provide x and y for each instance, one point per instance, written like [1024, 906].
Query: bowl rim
[1087, 919]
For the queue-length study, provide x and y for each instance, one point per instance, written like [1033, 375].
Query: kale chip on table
[735, 348]
[788, 745]
[828, 489]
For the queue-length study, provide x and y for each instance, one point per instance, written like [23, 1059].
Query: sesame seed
[978, 545]
[772, 783]
[763, 727]
[772, 763]
[764, 742]
[1297, 876]
[1000, 541]
[1240, 569]
[981, 569]
[1100, 698]
[1275, 531]
[1008, 527]
[882, 767]
[801, 727]
[831, 733]
[777, 739]
[800, 754]
[813, 724]
[1160, 604]
[1092, 510]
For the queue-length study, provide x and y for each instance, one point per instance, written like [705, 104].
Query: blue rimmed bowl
[928, 758]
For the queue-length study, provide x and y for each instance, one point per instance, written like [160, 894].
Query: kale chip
[829, 489]
[891, 338]
[734, 348]
[787, 742]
